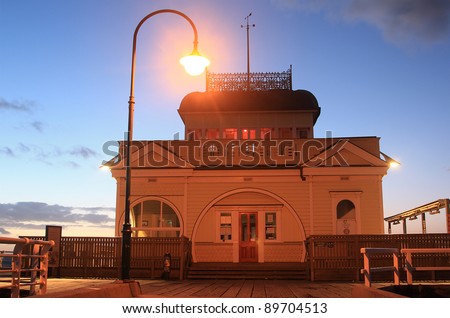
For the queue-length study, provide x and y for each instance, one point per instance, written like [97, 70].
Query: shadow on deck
[293, 271]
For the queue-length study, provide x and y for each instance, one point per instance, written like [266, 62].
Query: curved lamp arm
[133, 57]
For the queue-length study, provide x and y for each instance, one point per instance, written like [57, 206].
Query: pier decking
[218, 288]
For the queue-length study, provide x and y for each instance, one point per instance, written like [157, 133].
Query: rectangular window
[194, 134]
[248, 133]
[212, 133]
[285, 133]
[302, 133]
[266, 133]
[225, 226]
[271, 226]
[230, 133]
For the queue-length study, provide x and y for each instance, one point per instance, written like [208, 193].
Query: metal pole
[447, 212]
[248, 56]
[126, 229]
[248, 50]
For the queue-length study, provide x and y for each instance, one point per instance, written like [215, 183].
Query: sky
[377, 68]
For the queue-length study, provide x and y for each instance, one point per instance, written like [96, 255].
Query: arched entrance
[248, 225]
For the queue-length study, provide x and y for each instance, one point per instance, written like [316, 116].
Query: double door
[248, 237]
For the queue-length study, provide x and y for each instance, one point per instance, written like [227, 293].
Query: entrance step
[248, 271]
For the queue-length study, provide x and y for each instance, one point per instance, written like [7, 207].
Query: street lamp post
[194, 65]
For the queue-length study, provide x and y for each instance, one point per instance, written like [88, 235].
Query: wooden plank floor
[220, 288]
[245, 289]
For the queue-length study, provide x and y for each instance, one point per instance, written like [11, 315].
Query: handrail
[28, 256]
[409, 264]
[368, 252]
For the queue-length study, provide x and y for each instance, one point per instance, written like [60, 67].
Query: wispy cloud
[303, 5]
[7, 152]
[50, 155]
[37, 125]
[400, 21]
[32, 215]
[23, 106]
[23, 148]
[73, 164]
[83, 152]
[3, 231]
[405, 20]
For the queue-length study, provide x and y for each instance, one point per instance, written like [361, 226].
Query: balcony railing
[218, 82]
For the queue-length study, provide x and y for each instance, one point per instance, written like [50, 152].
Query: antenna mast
[248, 49]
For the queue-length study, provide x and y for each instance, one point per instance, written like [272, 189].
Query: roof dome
[232, 101]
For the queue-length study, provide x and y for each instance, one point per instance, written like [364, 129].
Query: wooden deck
[220, 288]
[246, 289]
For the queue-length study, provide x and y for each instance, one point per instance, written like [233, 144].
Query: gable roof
[344, 153]
[234, 154]
[150, 154]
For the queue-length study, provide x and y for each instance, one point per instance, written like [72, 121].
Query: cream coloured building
[250, 182]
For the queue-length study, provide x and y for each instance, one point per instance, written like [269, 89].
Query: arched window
[154, 218]
[346, 210]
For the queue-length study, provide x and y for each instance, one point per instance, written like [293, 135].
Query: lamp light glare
[394, 164]
[194, 64]
[391, 162]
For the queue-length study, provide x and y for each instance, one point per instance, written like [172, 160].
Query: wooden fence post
[409, 268]
[367, 274]
[312, 249]
[396, 269]
[181, 255]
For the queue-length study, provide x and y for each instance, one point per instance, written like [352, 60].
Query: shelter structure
[420, 211]
[250, 182]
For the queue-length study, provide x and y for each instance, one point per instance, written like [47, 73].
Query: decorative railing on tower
[216, 82]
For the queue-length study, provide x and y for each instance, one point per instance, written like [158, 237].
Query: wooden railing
[29, 265]
[369, 253]
[338, 257]
[100, 257]
[439, 256]
[435, 254]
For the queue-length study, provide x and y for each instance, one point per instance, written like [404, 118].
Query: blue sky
[378, 68]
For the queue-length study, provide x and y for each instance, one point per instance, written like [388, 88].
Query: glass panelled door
[248, 237]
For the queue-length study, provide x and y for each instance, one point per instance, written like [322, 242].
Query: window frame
[150, 230]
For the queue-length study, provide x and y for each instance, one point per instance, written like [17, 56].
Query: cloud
[7, 151]
[302, 5]
[32, 215]
[405, 20]
[73, 164]
[23, 106]
[400, 21]
[50, 155]
[84, 152]
[23, 148]
[38, 125]
[3, 231]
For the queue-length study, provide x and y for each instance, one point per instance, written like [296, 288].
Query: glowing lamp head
[391, 162]
[394, 164]
[194, 63]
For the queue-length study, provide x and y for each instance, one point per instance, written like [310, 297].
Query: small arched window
[155, 218]
[345, 210]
